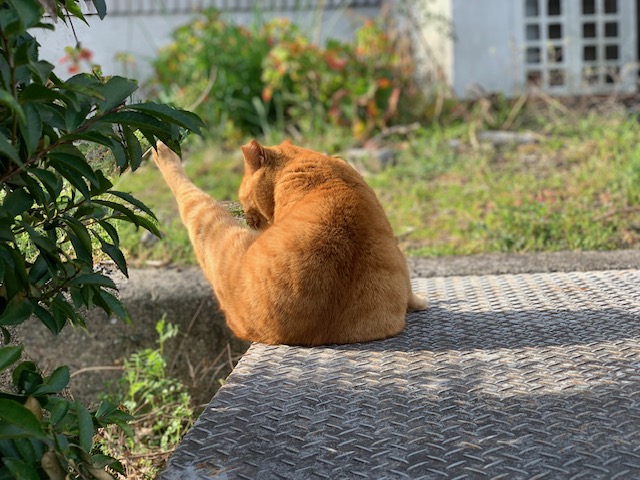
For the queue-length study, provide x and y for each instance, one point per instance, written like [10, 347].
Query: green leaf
[52, 183]
[59, 407]
[151, 138]
[31, 450]
[6, 234]
[183, 118]
[54, 383]
[133, 148]
[16, 279]
[101, 8]
[29, 12]
[43, 243]
[74, 119]
[9, 355]
[108, 301]
[26, 377]
[74, 9]
[93, 279]
[71, 175]
[10, 22]
[6, 335]
[17, 311]
[17, 202]
[39, 93]
[9, 150]
[115, 92]
[10, 102]
[148, 225]
[53, 116]
[39, 269]
[85, 427]
[135, 202]
[115, 254]
[111, 231]
[41, 69]
[137, 120]
[96, 137]
[62, 311]
[80, 239]
[49, 320]
[130, 216]
[24, 423]
[20, 469]
[74, 162]
[34, 188]
[104, 184]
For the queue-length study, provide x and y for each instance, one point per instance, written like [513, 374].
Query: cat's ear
[254, 154]
[286, 143]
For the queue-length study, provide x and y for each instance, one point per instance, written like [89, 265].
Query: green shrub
[272, 74]
[55, 207]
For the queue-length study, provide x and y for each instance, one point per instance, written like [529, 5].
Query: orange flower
[335, 63]
[85, 54]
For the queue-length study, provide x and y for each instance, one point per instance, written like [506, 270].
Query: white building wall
[485, 48]
[500, 46]
[141, 35]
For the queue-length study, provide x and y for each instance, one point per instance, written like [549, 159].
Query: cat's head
[257, 188]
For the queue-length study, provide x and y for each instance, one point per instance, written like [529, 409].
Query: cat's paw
[163, 155]
[416, 303]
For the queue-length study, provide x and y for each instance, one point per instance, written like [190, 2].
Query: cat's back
[332, 250]
[326, 207]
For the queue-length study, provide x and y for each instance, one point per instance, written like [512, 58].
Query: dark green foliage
[56, 208]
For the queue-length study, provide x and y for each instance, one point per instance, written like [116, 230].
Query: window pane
[588, 7]
[531, 8]
[610, 6]
[589, 53]
[533, 32]
[611, 29]
[533, 55]
[534, 78]
[556, 78]
[553, 8]
[611, 52]
[555, 30]
[555, 54]
[589, 30]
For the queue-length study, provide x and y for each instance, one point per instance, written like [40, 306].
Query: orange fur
[319, 263]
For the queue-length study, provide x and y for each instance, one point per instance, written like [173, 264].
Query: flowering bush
[275, 74]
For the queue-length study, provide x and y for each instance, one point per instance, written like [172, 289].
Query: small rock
[504, 137]
[371, 160]
[148, 239]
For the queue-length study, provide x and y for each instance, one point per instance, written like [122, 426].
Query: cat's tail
[416, 303]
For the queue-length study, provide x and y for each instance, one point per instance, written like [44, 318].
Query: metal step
[504, 376]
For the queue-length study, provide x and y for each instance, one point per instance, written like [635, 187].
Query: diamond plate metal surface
[511, 376]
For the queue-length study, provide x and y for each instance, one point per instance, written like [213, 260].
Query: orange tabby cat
[319, 263]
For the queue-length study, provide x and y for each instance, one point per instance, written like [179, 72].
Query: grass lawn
[577, 188]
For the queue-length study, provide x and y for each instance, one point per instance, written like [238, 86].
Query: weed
[160, 405]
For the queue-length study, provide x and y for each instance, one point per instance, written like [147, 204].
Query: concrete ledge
[512, 263]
